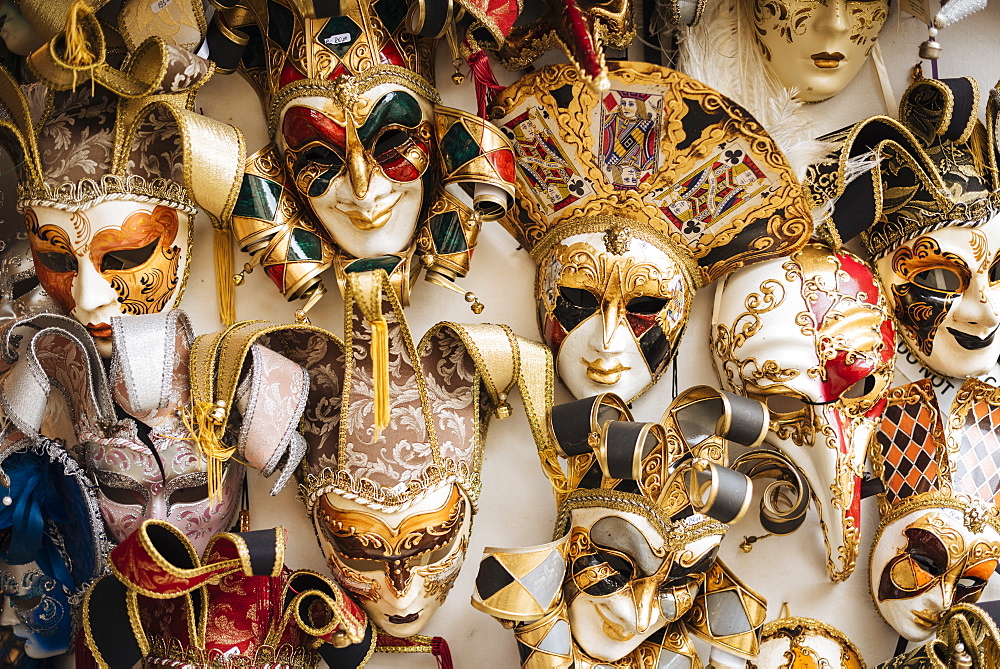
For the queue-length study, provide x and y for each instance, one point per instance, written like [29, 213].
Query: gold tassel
[78, 55]
[203, 421]
[380, 374]
[224, 284]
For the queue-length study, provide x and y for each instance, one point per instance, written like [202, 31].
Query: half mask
[633, 570]
[815, 47]
[938, 542]
[21, 294]
[936, 241]
[137, 428]
[367, 169]
[628, 202]
[112, 171]
[392, 496]
[811, 337]
[235, 605]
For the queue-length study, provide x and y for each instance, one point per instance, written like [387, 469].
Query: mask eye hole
[925, 562]
[995, 271]
[646, 305]
[189, 495]
[60, 263]
[26, 604]
[940, 279]
[389, 144]
[126, 259]
[578, 297]
[781, 405]
[320, 154]
[21, 288]
[121, 495]
[861, 388]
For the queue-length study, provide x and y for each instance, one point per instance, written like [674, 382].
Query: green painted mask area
[391, 12]
[280, 23]
[388, 263]
[339, 34]
[458, 147]
[258, 198]
[305, 245]
[447, 233]
[393, 108]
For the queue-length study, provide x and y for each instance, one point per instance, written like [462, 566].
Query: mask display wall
[368, 168]
[815, 47]
[938, 543]
[392, 502]
[111, 173]
[136, 426]
[628, 202]
[936, 239]
[52, 541]
[811, 337]
[234, 605]
[633, 570]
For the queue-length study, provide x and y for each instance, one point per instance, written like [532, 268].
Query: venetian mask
[21, 294]
[362, 169]
[629, 201]
[117, 257]
[944, 290]
[802, 643]
[400, 566]
[611, 307]
[36, 608]
[811, 337]
[816, 46]
[939, 540]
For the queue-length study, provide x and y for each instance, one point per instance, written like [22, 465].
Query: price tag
[918, 8]
[158, 5]
[342, 38]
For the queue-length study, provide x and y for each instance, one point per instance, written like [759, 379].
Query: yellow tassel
[78, 54]
[224, 284]
[203, 421]
[380, 373]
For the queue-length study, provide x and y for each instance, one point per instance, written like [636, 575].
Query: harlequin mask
[810, 336]
[45, 566]
[816, 46]
[939, 540]
[799, 643]
[365, 155]
[235, 605]
[935, 241]
[966, 636]
[628, 205]
[634, 569]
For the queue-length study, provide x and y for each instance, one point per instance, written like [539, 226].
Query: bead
[470, 296]
[7, 501]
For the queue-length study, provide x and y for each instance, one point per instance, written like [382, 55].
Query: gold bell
[218, 413]
[340, 639]
[931, 48]
[503, 410]
[458, 77]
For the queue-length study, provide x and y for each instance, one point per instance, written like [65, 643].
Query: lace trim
[172, 653]
[77, 195]
[374, 496]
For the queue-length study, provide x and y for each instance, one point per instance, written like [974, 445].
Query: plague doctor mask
[633, 569]
[815, 47]
[938, 543]
[111, 173]
[629, 201]
[392, 489]
[137, 427]
[934, 201]
[811, 337]
[367, 168]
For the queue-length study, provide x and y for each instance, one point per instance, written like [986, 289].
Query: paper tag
[157, 5]
[918, 8]
[342, 38]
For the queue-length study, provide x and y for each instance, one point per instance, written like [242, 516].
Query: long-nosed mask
[631, 199]
[811, 337]
[938, 543]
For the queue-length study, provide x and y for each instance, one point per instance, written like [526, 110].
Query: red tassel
[487, 87]
[440, 650]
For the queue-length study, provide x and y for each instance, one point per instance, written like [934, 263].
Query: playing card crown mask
[136, 426]
[367, 168]
[52, 542]
[642, 512]
[815, 46]
[113, 164]
[938, 542]
[935, 241]
[631, 199]
[810, 335]
[234, 605]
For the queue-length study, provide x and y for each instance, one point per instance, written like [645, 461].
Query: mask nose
[91, 292]
[831, 17]
[979, 305]
[612, 309]
[399, 578]
[645, 595]
[359, 163]
[8, 618]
